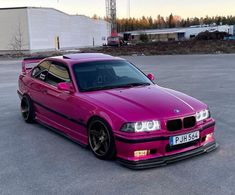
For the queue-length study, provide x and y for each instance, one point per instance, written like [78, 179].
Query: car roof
[71, 59]
[84, 57]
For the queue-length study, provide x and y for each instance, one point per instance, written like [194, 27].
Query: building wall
[157, 37]
[39, 28]
[73, 31]
[14, 27]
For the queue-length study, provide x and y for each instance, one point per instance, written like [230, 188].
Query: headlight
[143, 126]
[202, 115]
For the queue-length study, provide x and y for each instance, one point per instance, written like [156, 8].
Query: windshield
[100, 75]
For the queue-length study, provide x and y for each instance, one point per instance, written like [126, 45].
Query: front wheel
[27, 110]
[101, 139]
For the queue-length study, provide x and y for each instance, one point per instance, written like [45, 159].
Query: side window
[57, 73]
[40, 72]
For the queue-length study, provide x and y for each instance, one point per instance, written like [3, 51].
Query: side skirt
[57, 131]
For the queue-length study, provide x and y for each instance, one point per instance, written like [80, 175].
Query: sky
[139, 8]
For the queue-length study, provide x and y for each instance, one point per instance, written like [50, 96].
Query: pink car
[108, 104]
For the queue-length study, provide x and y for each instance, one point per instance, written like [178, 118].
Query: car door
[61, 104]
[37, 87]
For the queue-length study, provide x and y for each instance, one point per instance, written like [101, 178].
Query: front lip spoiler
[161, 161]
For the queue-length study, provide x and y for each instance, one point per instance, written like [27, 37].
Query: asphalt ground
[35, 160]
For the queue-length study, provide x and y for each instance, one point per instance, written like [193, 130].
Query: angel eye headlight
[142, 126]
[202, 115]
[139, 127]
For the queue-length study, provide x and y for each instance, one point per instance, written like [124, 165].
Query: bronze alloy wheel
[27, 109]
[101, 140]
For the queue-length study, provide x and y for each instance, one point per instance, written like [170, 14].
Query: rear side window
[40, 72]
[57, 73]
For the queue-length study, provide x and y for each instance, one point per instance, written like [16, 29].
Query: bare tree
[17, 42]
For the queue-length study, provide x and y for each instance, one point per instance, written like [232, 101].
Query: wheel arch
[114, 121]
[97, 117]
[26, 94]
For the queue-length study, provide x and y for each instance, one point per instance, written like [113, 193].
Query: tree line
[172, 21]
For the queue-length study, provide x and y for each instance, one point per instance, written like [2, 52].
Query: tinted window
[57, 73]
[40, 71]
[108, 74]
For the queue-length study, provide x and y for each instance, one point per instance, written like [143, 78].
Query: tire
[27, 109]
[101, 139]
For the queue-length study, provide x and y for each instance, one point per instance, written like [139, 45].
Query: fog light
[209, 136]
[140, 153]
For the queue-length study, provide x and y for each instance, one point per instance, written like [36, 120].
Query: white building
[177, 34]
[34, 29]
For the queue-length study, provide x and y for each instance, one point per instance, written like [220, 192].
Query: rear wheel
[101, 139]
[27, 110]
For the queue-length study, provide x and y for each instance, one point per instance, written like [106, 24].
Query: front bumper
[160, 152]
[161, 161]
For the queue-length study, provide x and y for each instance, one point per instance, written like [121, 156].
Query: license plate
[181, 139]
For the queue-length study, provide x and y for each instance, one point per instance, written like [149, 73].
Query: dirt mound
[169, 48]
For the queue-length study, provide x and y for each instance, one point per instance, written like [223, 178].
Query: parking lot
[35, 160]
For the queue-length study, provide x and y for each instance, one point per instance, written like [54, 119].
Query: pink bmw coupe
[108, 104]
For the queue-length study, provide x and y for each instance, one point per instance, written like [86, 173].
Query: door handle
[44, 91]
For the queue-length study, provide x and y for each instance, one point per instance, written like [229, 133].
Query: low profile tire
[27, 110]
[101, 139]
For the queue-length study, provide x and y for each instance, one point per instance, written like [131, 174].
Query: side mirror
[65, 87]
[151, 76]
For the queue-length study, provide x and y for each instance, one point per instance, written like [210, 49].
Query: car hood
[146, 102]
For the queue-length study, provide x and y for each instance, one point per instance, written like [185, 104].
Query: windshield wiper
[117, 86]
[100, 88]
[135, 84]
